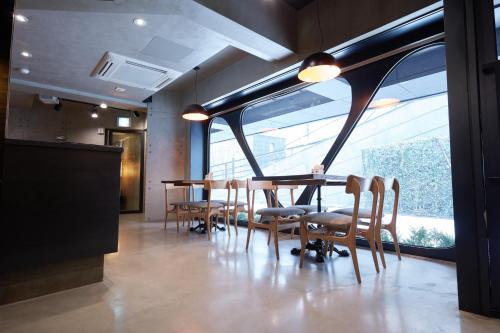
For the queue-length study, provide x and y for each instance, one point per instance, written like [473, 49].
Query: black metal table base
[319, 247]
[202, 228]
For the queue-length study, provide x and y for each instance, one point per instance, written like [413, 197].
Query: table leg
[319, 245]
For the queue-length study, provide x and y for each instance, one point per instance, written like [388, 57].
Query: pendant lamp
[195, 112]
[319, 66]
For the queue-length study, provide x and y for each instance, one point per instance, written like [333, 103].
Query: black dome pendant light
[195, 112]
[320, 66]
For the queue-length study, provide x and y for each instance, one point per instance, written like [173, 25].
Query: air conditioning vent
[132, 72]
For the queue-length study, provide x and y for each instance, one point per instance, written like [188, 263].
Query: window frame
[402, 41]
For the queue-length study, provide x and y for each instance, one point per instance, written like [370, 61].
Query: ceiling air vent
[132, 72]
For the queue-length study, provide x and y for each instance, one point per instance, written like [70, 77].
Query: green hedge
[423, 170]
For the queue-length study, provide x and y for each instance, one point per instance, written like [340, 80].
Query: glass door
[132, 168]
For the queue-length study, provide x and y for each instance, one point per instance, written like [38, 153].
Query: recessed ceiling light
[26, 54]
[120, 89]
[21, 18]
[24, 70]
[140, 22]
[103, 106]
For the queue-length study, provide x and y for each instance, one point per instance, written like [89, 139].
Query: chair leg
[303, 242]
[292, 233]
[396, 243]
[208, 223]
[275, 232]
[235, 220]
[228, 226]
[332, 245]
[269, 236]
[378, 239]
[371, 241]
[354, 255]
[177, 218]
[249, 231]
[166, 218]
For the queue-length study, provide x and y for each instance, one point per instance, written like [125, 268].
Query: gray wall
[166, 149]
[32, 120]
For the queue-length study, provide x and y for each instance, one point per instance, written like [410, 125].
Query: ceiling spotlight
[21, 18]
[103, 106]
[24, 70]
[140, 22]
[26, 54]
[120, 89]
[94, 113]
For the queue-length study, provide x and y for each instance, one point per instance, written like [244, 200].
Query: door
[132, 168]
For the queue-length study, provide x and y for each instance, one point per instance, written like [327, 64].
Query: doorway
[132, 167]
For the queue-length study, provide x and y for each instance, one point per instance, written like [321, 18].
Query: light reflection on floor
[164, 282]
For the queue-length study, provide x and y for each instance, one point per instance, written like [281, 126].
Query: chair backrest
[172, 187]
[383, 184]
[252, 186]
[287, 187]
[211, 185]
[236, 184]
[357, 185]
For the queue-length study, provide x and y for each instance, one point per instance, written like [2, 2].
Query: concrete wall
[166, 149]
[342, 22]
[29, 119]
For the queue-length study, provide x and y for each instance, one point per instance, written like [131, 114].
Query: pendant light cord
[196, 85]
[318, 16]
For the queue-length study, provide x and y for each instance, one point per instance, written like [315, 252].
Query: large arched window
[289, 134]
[405, 133]
[227, 160]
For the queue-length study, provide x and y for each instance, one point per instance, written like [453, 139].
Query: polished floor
[164, 282]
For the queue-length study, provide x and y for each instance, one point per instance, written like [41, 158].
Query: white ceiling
[68, 38]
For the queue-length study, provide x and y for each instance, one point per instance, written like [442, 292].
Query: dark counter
[60, 203]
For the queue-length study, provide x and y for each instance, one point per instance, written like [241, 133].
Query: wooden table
[184, 182]
[317, 180]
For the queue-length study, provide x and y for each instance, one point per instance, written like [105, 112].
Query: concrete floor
[162, 282]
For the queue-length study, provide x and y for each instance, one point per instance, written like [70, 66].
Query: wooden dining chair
[390, 226]
[179, 208]
[210, 209]
[307, 208]
[236, 205]
[271, 217]
[339, 228]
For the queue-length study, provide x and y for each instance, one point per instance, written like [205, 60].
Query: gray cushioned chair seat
[180, 203]
[231, 203]
[333, 221]
[280, 211]
[363, 213]
[204, 204]
[307, 208]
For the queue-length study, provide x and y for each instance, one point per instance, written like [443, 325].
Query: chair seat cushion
[364, 213]
[307, 208]
[204, 204]
[180, 203]
[332, 221]
[231, 203]
[279, 211]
